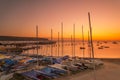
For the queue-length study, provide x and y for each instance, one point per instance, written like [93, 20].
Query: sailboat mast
[72, 46]
[58, 44]
[91, 40]
[37, 44]
[74, 39]
[89, 49]
[83, 41]
[62, 38]
[51, 44]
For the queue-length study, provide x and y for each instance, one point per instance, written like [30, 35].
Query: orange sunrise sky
[20, 17]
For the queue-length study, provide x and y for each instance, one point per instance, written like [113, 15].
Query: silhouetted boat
[101, 47]
[82, 47]
[106, 47]
[114, 42]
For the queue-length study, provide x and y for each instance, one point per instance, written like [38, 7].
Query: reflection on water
[109, 50]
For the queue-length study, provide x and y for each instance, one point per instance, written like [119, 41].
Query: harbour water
[102, 49]
[108, 50]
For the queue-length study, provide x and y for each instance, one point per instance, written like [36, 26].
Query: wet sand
[109, 71]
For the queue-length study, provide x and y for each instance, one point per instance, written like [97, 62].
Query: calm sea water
[112, 52]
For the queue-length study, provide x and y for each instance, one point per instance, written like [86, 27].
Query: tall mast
[72, 46]
[62, 37]
[37, 44]
[89, 49]
[58, 44]
[91, 40]
[74, 38]
[51, 44]
[83, 41]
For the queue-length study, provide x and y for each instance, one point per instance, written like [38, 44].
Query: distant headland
[16, 38]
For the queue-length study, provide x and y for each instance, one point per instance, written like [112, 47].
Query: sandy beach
[109, 71]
